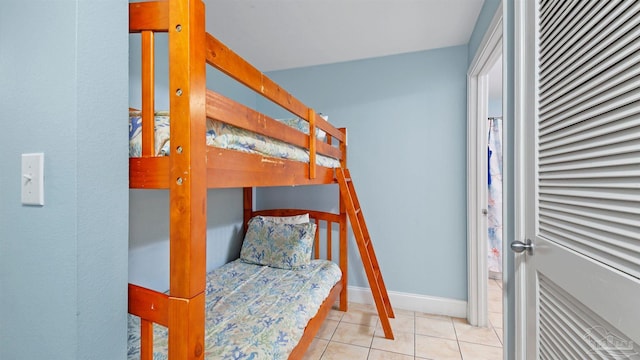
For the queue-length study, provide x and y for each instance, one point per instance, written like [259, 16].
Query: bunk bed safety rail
[226, 60]
[151, 307]
[233, 113]
[150, 17]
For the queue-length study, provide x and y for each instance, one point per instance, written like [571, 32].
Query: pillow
[296, 219]
[284, 246]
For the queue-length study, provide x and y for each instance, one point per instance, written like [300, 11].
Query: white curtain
[495, 195]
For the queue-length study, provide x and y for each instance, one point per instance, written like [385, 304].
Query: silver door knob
[519, 246]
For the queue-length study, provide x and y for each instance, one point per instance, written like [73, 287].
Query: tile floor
[357, 334]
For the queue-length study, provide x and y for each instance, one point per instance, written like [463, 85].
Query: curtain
[495, 195]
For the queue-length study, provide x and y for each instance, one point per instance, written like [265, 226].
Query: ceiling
[285, 34]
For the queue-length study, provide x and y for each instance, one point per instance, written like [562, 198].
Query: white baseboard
[413, 302]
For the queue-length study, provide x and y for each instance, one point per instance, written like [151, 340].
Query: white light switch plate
[33, 179]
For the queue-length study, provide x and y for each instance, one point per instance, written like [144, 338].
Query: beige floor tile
[376, 354]
[495, 319]
[495, 295]
[402, 343]
[403, 312]
[315, 350]
[357, 334]
[370, 308]
[476, 335]
[492, 285]
[435, 326]
[499, 333]
[480, 352]
[432, 316]
[354, 334]
[339, 351]
[335, 315]
[327, 329]
[360, 317]
[499, 282]
[495, 305]
[428, 347]
[401, 323]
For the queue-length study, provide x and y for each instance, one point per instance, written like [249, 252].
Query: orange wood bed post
[247, 200]
[187, 189]
[344, 298]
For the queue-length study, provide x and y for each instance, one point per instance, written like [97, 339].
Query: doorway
[484, 294]
[494, 207]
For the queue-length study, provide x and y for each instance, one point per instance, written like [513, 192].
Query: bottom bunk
[268, 304]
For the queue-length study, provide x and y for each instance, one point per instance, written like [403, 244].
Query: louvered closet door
[582, 207]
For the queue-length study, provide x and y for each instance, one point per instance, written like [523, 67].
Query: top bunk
[198, 149]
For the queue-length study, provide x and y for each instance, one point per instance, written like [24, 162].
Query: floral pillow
[284, 246]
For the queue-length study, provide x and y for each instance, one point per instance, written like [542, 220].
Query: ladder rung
[358, 211]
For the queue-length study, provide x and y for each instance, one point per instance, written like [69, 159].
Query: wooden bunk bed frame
[193, 167]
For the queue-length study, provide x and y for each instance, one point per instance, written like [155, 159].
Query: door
[578, 110]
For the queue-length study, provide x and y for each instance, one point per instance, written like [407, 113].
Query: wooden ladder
[365, 246]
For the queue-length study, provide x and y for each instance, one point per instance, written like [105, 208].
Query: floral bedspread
[225, 136]
[252, 311]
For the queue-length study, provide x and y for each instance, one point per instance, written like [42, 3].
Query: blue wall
[484, 19]
[406, 120]
[63, 266]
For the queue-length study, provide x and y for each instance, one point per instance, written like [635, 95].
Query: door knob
[519, 246]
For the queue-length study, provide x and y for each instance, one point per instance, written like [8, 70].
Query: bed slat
[149, 305]
[329, 249]
[232, 64]
[233, 113]
[152, 15]
[149, 173]
[146, 340]
[312, 144]
[316, 240]
[231, 168]
[148, 94]
[228, 111]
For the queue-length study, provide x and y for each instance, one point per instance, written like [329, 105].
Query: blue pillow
[284, 246]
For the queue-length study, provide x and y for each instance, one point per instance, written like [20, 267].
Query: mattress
[227, 136]
[252, 311]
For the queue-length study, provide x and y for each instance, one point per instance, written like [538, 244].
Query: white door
[578, 172]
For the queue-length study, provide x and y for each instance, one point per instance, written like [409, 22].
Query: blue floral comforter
[225, 136]
[252, 311]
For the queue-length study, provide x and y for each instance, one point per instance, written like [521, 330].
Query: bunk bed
[187, 163]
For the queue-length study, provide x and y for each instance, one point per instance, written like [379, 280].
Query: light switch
[33, 179]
